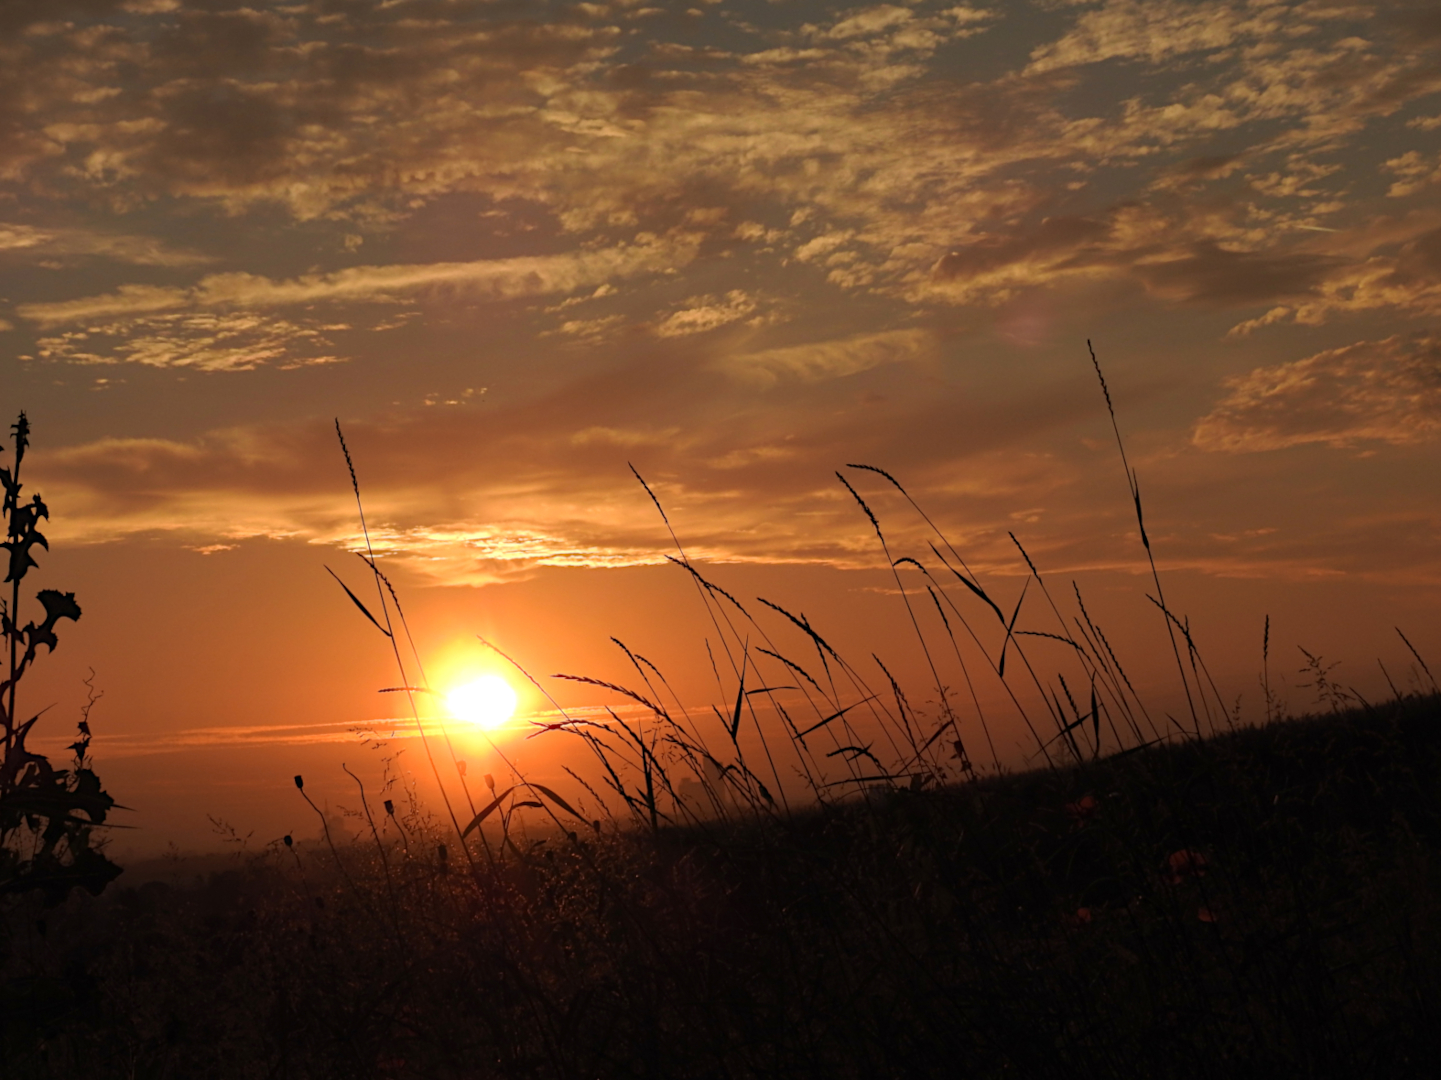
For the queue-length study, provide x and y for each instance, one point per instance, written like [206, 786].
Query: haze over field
[516, 247]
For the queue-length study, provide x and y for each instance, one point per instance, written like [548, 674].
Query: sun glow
[487, 702]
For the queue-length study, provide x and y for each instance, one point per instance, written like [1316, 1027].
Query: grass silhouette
[1159, 897]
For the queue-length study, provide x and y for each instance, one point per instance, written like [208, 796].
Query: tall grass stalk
[1133, 483]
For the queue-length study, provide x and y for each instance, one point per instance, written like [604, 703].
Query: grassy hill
[1263, 902]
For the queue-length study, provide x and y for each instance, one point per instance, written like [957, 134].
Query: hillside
[1260, 903]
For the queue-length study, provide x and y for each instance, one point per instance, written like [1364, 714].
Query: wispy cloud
[112, 745]
[829, 359]
[487, 279]
[36, 243]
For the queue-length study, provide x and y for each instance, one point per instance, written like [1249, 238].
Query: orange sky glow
[526, 251]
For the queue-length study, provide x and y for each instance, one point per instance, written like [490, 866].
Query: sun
[487, 702]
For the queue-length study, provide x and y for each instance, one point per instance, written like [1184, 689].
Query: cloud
[475, 494]
[703, 313]
[1158, 30]
[138, 250]
[590, 331]
[206, 341]
[991, 268]
[868, 21]
[832, 359]
[486, 279]
[1386, 391]
[248, 107]
[1388, 275]
[1209, 273]
[1145, 244]
[534, 503]
[1414, 173]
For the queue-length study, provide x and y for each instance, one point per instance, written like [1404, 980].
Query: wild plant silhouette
[48, 816]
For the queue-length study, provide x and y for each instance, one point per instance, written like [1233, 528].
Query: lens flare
[488, 702]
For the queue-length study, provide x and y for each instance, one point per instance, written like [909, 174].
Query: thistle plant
[47, 815]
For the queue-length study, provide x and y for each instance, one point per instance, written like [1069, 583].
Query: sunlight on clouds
[52, 243]
[1401, 274]
[1387, 391]
[489, 279]
[479, 554]
[590, 331]
[1414, 171]
[204, 341]
[515, 503]
[704, 313]
[1155, 30]
[828, 359]
[610, 436]
[798, 119]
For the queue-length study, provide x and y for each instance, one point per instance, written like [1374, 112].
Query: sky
[525, 251]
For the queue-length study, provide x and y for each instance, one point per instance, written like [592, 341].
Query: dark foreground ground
[1261, 904]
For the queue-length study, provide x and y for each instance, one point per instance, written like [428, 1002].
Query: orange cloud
[491, 279]
[828, 359]
[205, 341]
[1384, 391]
[37, 243]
